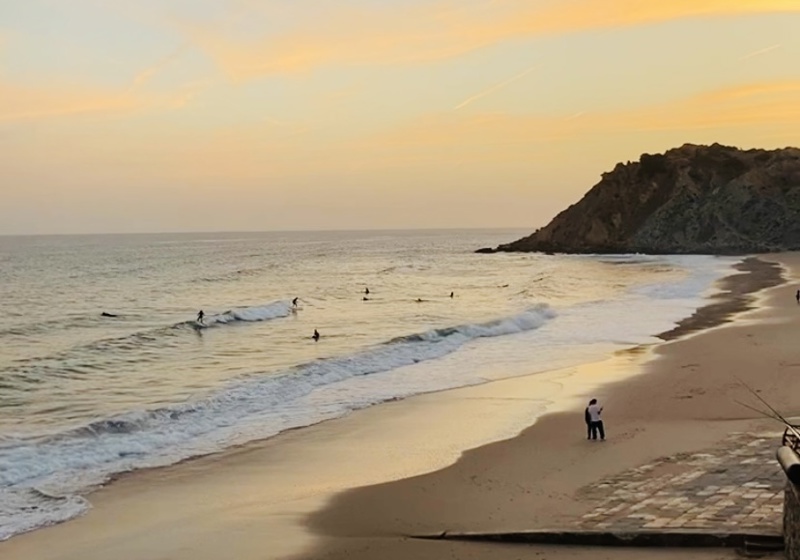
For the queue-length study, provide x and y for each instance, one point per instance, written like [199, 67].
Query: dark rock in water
[105, 314]
[693, 199]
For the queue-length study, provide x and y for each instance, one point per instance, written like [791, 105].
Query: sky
[252, 115]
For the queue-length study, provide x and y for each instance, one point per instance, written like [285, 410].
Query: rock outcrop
[693, 199]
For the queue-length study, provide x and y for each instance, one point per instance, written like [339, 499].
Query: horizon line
[217, 232]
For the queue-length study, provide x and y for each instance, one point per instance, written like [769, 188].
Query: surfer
[366, 291]
[107, 314]
[365, 298]
[452, 294]
[797, 297]
[200, 316]
[315, 336]
[294, 302]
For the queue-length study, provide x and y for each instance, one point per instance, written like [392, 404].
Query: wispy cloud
[20, 102]
[399, 34]
[759, 52]
[750, 106]
[493, 89]
[23, 103]
[149, 73]
[188, 92]
[759, 89]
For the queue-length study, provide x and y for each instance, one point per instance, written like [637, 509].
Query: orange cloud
[149, 73]
[438, 31]
[21, 102]
[774, 105]
[761, 104]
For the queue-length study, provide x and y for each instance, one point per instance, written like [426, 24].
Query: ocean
[85, 396]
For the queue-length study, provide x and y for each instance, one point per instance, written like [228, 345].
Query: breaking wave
[42, 478]
[110, 352]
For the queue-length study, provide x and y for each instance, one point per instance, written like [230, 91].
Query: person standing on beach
[596, 423]
[588, 419]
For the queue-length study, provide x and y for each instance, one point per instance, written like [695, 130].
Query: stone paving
[736, 487]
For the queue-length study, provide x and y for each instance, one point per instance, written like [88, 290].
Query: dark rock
[693, 199]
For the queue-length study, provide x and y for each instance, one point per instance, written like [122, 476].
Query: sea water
[84, 396]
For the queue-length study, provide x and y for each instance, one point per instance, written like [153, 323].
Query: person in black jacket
[588, 419]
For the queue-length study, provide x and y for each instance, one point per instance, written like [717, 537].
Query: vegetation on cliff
[693, 199]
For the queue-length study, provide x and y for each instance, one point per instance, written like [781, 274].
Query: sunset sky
[208, 115]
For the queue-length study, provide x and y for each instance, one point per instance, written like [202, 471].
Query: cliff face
[692, 199]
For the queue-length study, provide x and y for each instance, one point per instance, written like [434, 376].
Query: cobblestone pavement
[735, 487]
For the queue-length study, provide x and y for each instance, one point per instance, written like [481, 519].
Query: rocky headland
[693, 199]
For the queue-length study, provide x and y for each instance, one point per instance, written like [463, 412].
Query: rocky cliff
[692, 199]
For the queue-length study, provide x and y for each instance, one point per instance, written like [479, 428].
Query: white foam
[26, 509]
[73, 462]
[260, 406]
[274, 310]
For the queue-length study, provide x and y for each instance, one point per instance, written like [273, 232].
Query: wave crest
[249, 409]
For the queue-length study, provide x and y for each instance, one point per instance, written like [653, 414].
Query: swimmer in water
[315, 336]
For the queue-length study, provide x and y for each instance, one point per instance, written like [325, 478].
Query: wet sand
[684, 402]
[254, 502]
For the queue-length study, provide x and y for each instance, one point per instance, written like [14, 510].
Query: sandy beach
[358, 486]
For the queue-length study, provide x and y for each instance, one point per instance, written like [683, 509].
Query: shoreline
[735, 297]
[458, 401]
[534, 480]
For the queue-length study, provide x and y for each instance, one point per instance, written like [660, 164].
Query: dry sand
[253, 502]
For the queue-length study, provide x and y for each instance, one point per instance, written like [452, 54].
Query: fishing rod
[758, 410]
[777, 414]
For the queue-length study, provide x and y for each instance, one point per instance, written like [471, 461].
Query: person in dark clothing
[294, 302]
[366, 291]
[452, 294]
[200, 316]
[797, 297]
[315, 336]
[588, 419]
